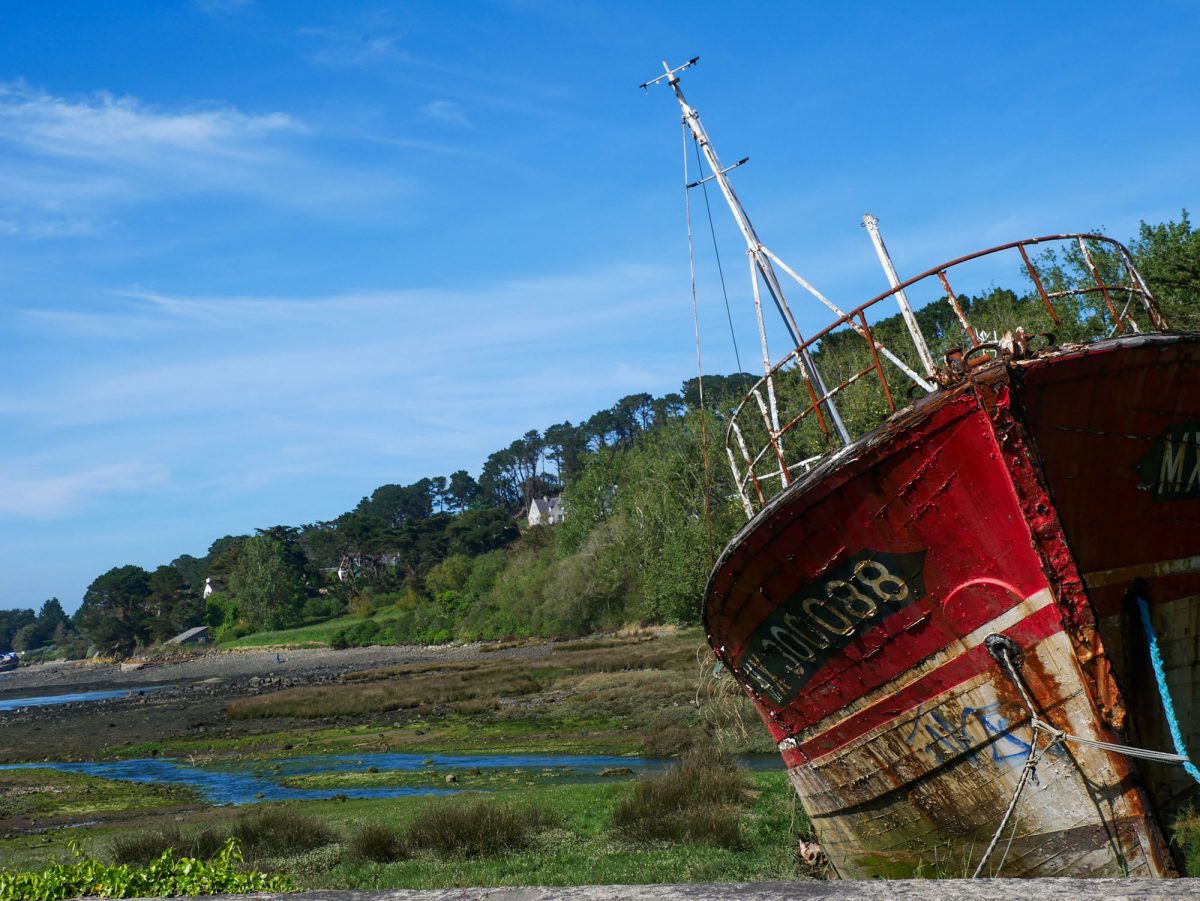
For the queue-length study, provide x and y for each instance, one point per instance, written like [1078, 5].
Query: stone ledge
[880, 890]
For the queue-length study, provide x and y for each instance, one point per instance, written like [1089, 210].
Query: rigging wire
[717, 253]
[687, 205]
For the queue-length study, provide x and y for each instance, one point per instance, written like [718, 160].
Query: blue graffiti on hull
[948, 740]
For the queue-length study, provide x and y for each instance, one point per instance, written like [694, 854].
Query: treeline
[447, 558]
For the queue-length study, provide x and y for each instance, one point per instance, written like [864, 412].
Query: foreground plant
[166, 876]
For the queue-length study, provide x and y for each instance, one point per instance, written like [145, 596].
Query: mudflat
[184, 697]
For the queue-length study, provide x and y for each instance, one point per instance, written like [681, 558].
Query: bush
[356, 636]
[376, 843]
[698, 800]
[142, 847]
[1186, 835]
[478, 828]
[267, 833]
[277, 831]
[322, 607]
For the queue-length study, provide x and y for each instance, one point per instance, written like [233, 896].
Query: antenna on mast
[754, 247]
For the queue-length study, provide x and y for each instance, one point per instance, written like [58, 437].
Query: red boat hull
[855, 606]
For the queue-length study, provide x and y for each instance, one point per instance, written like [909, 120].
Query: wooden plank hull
[855, 606]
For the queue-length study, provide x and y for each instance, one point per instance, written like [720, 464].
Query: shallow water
[260, 780]
[48, 700]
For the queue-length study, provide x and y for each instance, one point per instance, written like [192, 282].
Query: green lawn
[314, 635]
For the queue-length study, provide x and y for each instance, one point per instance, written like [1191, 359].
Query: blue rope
[1160, 676]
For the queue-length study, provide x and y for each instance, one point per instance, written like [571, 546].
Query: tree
[12, 622]
[461, 490]
[1168, 257]
[510, 476]
[174, 603]
[479, 531]
[114, 615]
[398, 504]
[268, 586]
[566, 445]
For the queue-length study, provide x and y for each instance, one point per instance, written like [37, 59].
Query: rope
[717, 253]
[1037, 726]
[687, 205]
[1002, 649]
[1160, 676]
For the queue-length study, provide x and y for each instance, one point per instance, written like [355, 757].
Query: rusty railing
[782, 427]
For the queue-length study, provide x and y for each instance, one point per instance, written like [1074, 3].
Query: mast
[872, 226]
[754, 246]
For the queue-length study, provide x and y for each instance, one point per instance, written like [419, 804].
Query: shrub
[363, 603]
[356, 636]
[143, 847]
[277, 831]
[698, 800]
[376, 843]
[477, 828]
[322, 607]
[1186, 829]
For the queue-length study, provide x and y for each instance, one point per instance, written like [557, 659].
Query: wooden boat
[935, 604]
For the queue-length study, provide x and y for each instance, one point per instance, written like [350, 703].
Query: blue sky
[258, 258]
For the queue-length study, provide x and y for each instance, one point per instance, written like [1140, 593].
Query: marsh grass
[376, 843]
[700, 799]
[475, 828]
[267, 833]
[430, 684]
[637, 694]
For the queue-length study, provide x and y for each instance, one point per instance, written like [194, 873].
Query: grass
[609, 695]
[635, 694]
[697, 800]
[264, 833]
[478, 827]
[37, 797]
[313, 635]
[574, 842]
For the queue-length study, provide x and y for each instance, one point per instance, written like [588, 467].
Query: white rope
[1038, 726]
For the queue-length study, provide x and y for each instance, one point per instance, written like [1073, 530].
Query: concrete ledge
[895, 890]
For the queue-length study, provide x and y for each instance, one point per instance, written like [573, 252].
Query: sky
[258, 258]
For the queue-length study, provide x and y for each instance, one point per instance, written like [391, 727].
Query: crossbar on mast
[754, 246]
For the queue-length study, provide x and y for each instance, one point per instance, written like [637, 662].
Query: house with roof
[196, 635]
[547, 511]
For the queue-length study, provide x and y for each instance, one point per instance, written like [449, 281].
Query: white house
[546, 511]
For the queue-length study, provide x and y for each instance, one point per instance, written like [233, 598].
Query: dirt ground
[199, 686]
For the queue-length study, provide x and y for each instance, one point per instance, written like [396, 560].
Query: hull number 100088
[824, 616]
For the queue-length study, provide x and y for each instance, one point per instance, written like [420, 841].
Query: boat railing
[1083, 287]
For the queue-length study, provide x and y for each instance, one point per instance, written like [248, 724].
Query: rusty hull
[854, 607]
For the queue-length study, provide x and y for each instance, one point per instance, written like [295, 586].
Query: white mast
[885, 260]
[753, 245]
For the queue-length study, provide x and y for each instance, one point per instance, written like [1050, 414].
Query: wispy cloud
[446, 111]
[370, 39]
[43, 496]
[108, 129]
[64, 161]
